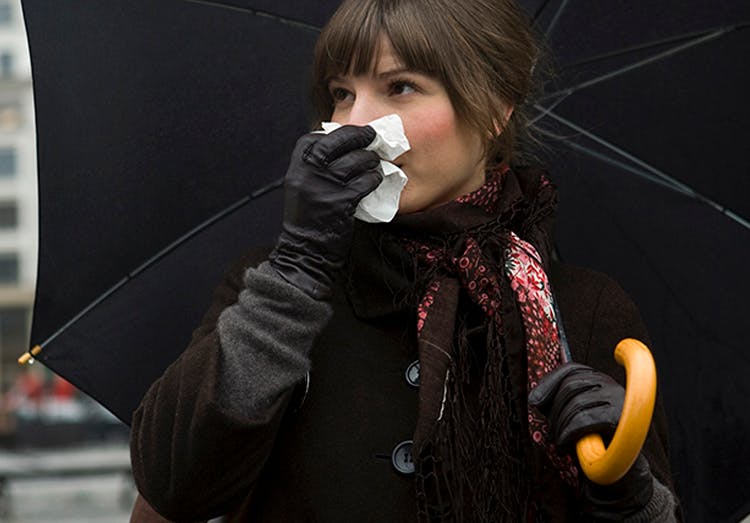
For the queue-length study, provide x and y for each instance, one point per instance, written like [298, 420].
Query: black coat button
[402, 459]
[412, 374]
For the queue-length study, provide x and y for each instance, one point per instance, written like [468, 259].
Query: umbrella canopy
[649, 122]
[154, 117]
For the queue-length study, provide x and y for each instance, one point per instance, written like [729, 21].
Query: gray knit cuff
[266, 338]
[661, 508]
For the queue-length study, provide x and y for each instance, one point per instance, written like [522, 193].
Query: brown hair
[483, 51]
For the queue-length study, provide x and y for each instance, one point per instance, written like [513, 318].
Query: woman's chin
[415, 207]
[408, 206]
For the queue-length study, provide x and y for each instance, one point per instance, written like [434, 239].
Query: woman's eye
[339, 94]
[402, 87]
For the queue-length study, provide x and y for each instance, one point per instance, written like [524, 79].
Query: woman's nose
[364, 110]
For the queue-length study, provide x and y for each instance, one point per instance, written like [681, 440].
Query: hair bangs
[482, 51]
[411, 39]
[350, 44]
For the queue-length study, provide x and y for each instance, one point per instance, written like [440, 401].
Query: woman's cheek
[430, 131]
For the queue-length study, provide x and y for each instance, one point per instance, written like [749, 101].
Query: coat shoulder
[582, 283]
[596, 311]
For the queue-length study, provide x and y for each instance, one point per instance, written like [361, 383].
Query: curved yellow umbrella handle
[605, 466]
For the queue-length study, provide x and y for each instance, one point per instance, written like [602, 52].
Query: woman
[410, 370]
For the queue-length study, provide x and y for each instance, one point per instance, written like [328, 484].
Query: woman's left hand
[578, 400]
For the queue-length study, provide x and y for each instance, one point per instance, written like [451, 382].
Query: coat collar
[379, 276]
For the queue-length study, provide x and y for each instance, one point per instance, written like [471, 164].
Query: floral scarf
[484, 306]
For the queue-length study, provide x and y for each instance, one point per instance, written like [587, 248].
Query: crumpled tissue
[390, 142]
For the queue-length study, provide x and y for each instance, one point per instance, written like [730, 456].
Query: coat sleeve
[204, 430]
[614, 317]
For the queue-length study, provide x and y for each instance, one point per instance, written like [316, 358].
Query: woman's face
[446, 157]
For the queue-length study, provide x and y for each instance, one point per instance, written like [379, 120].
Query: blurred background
[62, 456]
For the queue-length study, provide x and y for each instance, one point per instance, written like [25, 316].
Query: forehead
[352, 41]
[360, 52]
[383, 58]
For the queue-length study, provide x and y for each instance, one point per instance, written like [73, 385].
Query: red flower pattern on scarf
[524, 270]
[544, 351]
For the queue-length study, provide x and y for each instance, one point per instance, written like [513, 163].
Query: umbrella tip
[29, 356]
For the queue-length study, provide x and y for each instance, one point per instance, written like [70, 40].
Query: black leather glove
[578, 400]
[327, 177]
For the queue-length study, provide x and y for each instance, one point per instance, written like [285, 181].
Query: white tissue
[390, 142]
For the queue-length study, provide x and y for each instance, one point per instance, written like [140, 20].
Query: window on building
[6, 13]
[13, 329]
[10, 116]
[8, 214]
[8, 161]
[6, 64]
[8, 268]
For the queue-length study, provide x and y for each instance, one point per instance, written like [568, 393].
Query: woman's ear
[507, 113]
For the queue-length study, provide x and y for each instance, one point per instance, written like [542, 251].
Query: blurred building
[18, 196]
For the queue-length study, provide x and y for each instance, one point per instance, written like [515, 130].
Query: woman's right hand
[327, 177]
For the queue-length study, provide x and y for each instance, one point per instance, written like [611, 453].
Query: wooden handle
[28, 356]
[606, 465]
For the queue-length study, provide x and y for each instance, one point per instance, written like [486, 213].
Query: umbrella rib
[650, 173]
[261, 14]
[165, 251]
[641, 63]
[198, 228]
[545, 111]
[106, 294]
[646, 255]
[649, 45]
[556, 18]
[655, 174]
[540, 10]
[617, 163]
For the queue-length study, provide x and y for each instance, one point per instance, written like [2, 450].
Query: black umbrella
[152, 117]
[649, 117]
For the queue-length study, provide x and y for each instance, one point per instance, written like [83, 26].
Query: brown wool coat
[329, 459]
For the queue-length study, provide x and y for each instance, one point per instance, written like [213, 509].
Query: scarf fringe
[473, 468]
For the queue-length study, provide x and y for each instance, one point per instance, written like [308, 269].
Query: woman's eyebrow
[395, 72]
[380, 75]
[335, 78]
